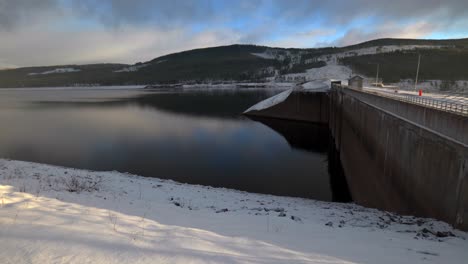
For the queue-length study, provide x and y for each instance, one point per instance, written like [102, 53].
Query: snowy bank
[51, 214]
[269, 102]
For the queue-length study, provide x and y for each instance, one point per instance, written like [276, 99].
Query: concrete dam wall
[299, 106]
[396, 156]
[396, 164]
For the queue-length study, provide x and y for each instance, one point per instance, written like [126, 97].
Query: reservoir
[196, 136]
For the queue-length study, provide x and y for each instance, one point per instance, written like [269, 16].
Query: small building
[355, 82]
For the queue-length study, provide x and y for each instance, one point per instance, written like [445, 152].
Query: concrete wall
[396, 156]
[449, 124]
[299, 106]
[400, 166]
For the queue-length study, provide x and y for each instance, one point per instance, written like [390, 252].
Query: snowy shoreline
[62, 215]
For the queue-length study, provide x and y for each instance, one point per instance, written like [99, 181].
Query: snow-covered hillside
[52, 214]
[335, 72]
[133, 68]
[281, 55]
[333, 58]
[332, 70]
[58, 70]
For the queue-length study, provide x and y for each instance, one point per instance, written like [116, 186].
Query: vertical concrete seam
[385, 158]
[341, 121]
[460, 211]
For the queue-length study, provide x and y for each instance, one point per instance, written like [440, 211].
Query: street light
[377, 75]
[417, 71]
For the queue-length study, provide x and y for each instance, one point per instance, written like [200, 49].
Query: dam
[396, 153]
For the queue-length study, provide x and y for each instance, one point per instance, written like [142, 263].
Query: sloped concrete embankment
[298, 106]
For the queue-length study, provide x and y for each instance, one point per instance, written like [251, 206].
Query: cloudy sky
[51, 32]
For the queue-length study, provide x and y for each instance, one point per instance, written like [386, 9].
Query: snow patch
[58, 70]
[335, 72]
[267, 103]
[265, 55]
[333, 58]
[317, 85]
[132, 68]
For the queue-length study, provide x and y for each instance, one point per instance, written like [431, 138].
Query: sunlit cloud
[387, 30]
[53, 32]
[123, 45]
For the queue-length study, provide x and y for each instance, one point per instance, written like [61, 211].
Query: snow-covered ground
[265, 55]
[336, 72]
[132, 68]
[58, 70]
[317, 85]
[269, 102]
[434, 85]
[52, 214]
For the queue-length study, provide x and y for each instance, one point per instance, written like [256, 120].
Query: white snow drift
[269, 102]
[51, 214]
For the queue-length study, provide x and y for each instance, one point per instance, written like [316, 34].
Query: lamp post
[417, 71]
[377, 75]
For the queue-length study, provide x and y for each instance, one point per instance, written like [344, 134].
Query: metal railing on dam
[453, 102]
[435, 112]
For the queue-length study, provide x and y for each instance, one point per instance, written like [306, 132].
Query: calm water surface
[193, 136]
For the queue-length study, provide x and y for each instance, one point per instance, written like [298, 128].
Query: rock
[282, 214]
[444, 234]
[222, 211]
[295, 218]
[329, 224]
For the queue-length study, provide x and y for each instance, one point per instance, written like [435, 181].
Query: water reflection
[300, 135]
[314, 138]
[226, 103]
[188, 136]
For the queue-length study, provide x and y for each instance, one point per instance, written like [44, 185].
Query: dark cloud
[65, 31]
[160, 12]
[169, 12]
[339, 12]
[14, 12]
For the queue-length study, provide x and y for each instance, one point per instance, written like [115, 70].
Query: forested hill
[441, 59]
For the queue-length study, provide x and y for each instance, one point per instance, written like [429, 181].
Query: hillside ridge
[248, 62]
